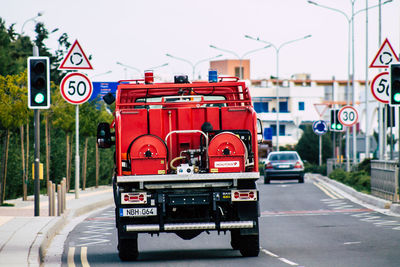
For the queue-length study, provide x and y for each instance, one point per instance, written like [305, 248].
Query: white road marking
[288, 261]
[352, 243]
[269, 253]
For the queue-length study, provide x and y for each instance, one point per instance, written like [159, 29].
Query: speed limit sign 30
[348, 115]
[76, 88]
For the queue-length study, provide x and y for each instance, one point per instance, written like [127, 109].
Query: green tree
[308, 146]
[13, 113]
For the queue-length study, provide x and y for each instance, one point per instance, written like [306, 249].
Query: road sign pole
[320, 150]
[37, 150]
[77, 160]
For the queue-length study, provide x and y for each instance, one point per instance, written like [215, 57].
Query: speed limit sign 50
[76, 88]
[348, 116]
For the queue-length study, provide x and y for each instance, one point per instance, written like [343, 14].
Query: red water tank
[148, 155]
[227, 153]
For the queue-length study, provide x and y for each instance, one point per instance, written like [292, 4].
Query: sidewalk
[365, 199]
[24, 237]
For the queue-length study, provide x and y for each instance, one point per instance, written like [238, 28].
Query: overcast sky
[139, 33]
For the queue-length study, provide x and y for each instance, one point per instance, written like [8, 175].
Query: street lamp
[240, 57]
[139, 70]
[350, 21]
[277, 50]
[191, 63]
[31, 19]
[101, 74]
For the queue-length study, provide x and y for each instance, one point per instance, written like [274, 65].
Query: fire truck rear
[185, 161]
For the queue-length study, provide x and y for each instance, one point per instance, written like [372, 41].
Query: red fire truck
[185, 160]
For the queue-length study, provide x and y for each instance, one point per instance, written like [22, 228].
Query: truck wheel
[266, 180]
[301, 180]
[249, 245]
[128, 249]
[235, 239]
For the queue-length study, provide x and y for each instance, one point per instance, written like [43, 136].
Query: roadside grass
[359, 178]
[7, 205]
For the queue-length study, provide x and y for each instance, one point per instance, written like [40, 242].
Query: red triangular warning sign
[385, 56]
[75, 59]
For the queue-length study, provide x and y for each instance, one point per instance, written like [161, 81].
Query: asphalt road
[301, 225]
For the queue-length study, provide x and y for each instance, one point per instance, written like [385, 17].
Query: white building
[297, 99]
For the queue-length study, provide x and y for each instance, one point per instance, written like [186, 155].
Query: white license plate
[283, 166]
[138, 212]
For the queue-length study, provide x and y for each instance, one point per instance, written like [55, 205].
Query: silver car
[283, 165]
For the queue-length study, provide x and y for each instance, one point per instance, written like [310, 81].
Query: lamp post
[31, 19]
[139, 70]
[101, 74]
[240, 57]
[194, 65]
[350, 21]
[277, 50]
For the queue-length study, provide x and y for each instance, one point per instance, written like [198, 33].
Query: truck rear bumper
[190, 226]
[187, 177]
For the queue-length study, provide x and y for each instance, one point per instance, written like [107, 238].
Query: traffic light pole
[37, 151]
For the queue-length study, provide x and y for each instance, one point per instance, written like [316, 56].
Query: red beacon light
[148, 77]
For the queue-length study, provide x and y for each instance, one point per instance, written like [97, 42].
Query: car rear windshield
[285, 156]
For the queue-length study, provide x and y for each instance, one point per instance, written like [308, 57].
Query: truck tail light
[244, 195]
[298, 165]
[134, 198]
[269, 166]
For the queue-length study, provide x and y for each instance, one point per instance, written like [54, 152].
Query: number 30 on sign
[76, 88]
[348, 116]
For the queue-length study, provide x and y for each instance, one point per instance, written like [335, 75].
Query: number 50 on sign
[76, 88]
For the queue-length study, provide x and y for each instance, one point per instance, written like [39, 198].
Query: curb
[371, 200]
[44, 237]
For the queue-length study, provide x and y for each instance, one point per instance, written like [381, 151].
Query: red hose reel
[227, 153]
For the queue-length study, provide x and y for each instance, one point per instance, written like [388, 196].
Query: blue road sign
[102, 88]
[320, 127]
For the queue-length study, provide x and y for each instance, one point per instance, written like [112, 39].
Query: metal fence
[385, 179]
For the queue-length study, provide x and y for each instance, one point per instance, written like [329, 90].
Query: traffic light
[336, 126]
[38, 83]
[394, 86]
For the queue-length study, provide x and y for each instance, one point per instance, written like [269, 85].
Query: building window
[283, 107]
[282, 129]
[301, 105]
[237, 72]
[261, 107]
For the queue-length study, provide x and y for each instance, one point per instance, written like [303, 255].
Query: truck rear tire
[235, 239]
[249, 245]
[128, 249]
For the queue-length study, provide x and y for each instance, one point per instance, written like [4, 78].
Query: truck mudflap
[190, 226]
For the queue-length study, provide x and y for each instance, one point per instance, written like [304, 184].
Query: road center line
[70, 260]
[84, 260]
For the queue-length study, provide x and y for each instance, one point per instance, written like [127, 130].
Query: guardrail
[61, 197]
[385, 179]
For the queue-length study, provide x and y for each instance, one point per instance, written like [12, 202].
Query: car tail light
[298, 165]
[244, 195]
[134, 198]
[269, 166]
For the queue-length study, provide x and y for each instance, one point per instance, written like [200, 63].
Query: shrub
[338, 175]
